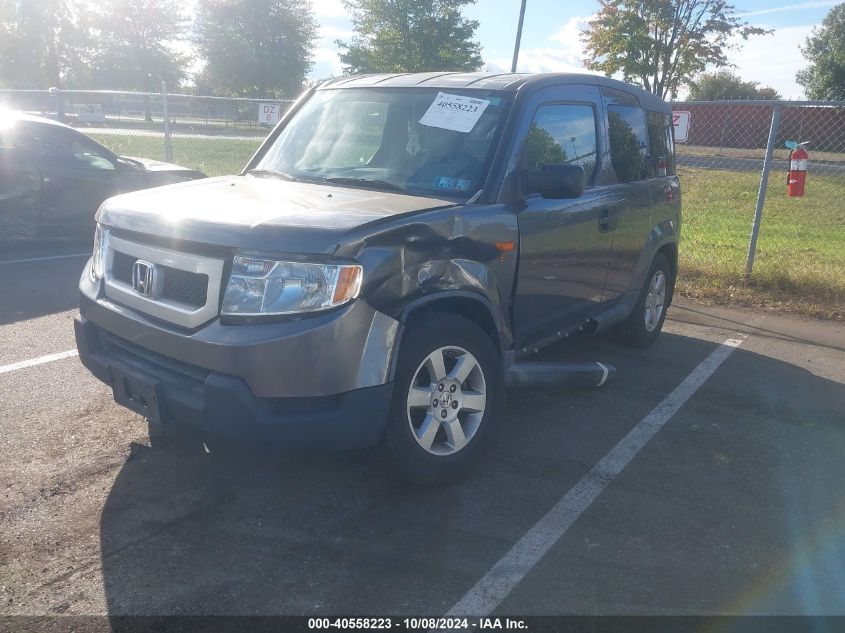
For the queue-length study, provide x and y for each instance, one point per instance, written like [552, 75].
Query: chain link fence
[733, 168]
[800, 242]
[216, 135]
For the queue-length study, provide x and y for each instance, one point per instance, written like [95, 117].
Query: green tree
[43, 43]
[7, 48]
[410, 36]
[625, 151]
[255, 47]
[825, 49]
[661, 44]
[541, 148]
[723, 84]
[138, 44]
[767, 92]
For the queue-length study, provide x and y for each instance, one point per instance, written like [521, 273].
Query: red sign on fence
[680, 120]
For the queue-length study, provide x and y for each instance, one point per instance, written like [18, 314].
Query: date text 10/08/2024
[426, 624]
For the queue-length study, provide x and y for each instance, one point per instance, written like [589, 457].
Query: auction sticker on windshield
[454, 112]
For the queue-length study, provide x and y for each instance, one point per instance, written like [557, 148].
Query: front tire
[643, 325]
[447, 399]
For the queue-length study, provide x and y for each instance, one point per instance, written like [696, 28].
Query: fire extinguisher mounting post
[761, 193]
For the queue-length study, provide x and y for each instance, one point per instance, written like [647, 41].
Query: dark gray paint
[563, 248]
[257, 213]
[325, 354]
[496, 81]
[415, 251]
[42, 195]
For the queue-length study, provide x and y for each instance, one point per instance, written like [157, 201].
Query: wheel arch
[670, 251]
[472, 306]
[661, 239]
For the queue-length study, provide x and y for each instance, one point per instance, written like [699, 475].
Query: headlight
[263, 287]
[98, 261]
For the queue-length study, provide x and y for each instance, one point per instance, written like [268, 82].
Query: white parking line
[42, 259]
[506, 574]
[49, 358]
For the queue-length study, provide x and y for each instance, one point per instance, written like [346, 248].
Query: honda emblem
[144, 277]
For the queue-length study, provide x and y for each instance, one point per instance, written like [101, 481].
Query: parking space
[734, 505]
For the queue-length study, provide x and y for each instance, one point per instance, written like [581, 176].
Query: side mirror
[128, 165]
[555, 181]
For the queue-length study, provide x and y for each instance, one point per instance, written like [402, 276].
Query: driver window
[71, 150]
[562, 134]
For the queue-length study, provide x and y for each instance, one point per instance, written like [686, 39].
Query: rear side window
[562, 134]
[661, 144]
[628, 142]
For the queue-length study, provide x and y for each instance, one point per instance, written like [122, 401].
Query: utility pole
[518, 37]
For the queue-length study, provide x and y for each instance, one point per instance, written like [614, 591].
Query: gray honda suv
[395, 251]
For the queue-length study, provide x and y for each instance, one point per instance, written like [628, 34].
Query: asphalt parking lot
[685, 486]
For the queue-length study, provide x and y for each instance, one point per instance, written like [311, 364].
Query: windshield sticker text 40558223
[454, 112]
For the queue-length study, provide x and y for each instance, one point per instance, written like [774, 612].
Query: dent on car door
[20, 188]
[78, 176]
[629, 156]
[564, 243]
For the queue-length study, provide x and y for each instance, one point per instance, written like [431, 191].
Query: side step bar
[549, 375]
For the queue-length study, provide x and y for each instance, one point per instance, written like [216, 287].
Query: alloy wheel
[446, 400]
[655, 300]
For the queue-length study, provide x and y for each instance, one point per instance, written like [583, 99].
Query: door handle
[606, 221]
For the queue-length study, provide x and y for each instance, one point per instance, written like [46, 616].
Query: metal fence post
[761, 194]
[168, 145]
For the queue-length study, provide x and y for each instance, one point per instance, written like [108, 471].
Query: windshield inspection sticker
[452, 184]
[454, 112]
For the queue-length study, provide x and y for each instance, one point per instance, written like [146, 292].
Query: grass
[800, 262]
[779, 153]
[213, 157]
[800, 259]
[179, 123]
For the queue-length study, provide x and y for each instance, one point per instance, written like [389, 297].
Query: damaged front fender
[464, 252]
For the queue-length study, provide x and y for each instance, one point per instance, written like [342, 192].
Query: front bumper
[317, 382]
[321, 355]
[223, 405]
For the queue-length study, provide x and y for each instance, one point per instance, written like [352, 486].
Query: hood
[257, 213]
[148, 164]
[157, 173]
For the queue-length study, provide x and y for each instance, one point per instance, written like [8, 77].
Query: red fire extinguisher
[797, 179]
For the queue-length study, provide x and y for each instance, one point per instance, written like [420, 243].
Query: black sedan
[53, 178]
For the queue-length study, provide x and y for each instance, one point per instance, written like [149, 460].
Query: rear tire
[447, 399]
[643, 325]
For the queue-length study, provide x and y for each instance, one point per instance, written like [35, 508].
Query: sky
[550, 39]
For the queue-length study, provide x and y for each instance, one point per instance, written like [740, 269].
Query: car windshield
[423, 141]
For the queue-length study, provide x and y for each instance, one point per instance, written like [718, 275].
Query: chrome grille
[121, 267]
[179, 285]
[185, 287]
[189, 284]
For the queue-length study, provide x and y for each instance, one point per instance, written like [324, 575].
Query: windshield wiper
[272, 173]
[367, 182]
